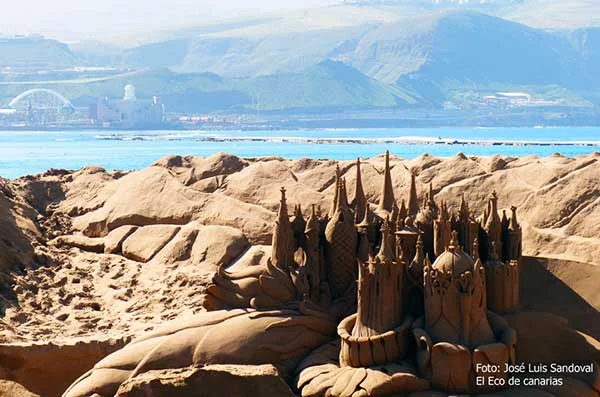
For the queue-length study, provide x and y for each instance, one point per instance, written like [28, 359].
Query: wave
[402, 140]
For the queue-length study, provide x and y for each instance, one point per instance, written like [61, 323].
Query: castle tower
[455, 299]
[502, 284]
[457, 332]
[442, 231]
[514, 241]
[467, 227]
[413, 201]
[360, 201]
[378, 333]
[298, 227]
[415, 280]
[424, 221]
[282, 253]
[406, 238]
[363, 252]
[431, 196]
[492, 227]
[380, 283]
[313, 263]
[402, 214]
[334, 201]
[341, 241]
[387, 201]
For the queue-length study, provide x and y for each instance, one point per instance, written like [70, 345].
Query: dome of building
[129, 92]
[454, 259]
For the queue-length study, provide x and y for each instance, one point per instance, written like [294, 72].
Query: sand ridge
[92, 252]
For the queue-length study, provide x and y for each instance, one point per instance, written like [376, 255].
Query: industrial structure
[128, 112]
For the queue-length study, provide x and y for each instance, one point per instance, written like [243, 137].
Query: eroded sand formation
[111, 255]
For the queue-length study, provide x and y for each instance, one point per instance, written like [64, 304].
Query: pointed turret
[442, 230]
[282, 251]
[504, 220]
[298, 227]
[387, 200]
[514, 223]
[431, 196]
[467, 228]
[416, 264]
[386, 251]
[413, 201]
[341, 243]
[360, 201]
[343, 197]
[313, 258]
[419, 252]
[493, 226]
[402, 214]
[464, 209]
[513, 239]
[334, 201]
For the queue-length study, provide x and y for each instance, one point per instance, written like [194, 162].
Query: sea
[32, 152]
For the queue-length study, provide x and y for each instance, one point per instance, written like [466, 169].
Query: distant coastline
[406, 140]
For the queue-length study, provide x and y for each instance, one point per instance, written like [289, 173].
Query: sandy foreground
[93, 258]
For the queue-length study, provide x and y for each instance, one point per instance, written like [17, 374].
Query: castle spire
[419, 252]
[402, 214]
[413, 201]
[453, 242]
[464, 209]
[343, 196]
[514, 223]
[387, 194]
[282, 251]
[431, 196]
[334, 202]
[385, 250]
[312, 235]
[493, 226]
[360, 200]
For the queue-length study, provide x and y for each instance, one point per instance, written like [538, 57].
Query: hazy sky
[110, 17]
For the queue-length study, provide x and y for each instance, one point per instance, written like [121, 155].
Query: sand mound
[97, 254]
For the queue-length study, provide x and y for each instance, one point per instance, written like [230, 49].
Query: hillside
[345, 87]
[33, 53]
[455, 56]
[389, 55]
[552, 14]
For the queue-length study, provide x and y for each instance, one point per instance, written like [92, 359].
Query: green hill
[326, 86]
[35, 53]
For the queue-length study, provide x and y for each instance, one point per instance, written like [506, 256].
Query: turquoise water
[31, 152]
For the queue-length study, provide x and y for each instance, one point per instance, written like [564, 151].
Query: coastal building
[129, 111]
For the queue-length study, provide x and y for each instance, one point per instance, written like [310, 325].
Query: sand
[91, 254]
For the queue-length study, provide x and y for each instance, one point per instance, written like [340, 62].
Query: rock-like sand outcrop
[92, 254]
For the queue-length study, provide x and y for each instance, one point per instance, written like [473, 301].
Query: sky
[104, 18]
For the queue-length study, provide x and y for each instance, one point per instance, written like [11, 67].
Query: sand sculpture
[416, 293]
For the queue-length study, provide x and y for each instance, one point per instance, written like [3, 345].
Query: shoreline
[409, 140]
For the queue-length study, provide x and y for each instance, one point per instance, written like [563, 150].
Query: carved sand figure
[417, 295]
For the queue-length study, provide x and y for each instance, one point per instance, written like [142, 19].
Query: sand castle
[416, 292]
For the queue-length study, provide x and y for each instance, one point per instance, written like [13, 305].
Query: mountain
[468, 47]
[95, 52]
[566, 14]
[326, 86]
[450, 55]
[35, 52]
